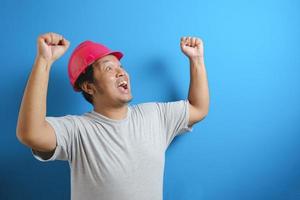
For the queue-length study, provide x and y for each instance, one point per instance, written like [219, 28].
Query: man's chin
[125, 100]
[128, 100]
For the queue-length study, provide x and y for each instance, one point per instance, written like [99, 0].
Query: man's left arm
[198, 96]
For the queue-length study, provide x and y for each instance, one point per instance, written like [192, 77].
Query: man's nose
[120, 72]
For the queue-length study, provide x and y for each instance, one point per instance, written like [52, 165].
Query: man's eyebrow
[99, 62]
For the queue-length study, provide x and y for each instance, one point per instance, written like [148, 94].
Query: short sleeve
[65, 129]
[175, 118]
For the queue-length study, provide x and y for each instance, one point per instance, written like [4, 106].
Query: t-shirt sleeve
[175, 118]
[65, 129]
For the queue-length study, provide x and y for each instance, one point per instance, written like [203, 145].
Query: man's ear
[87, 87]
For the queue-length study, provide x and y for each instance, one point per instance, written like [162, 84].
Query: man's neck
[115, 113]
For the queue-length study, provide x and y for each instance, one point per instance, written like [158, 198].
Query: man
[116, 151]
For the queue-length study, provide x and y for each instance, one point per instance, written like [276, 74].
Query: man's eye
[108, 68]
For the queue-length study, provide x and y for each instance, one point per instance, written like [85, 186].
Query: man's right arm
[32, 128]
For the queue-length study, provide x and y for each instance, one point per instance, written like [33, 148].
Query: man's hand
[192, 47]
[51, 46]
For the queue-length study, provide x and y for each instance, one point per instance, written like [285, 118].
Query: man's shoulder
[157, 104]
[71, 118]
[145, 105]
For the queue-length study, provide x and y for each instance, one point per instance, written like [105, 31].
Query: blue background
[246, 148]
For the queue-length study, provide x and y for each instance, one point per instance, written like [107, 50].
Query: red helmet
[84, 55]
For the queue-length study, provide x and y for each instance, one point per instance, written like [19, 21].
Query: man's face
[112, 83]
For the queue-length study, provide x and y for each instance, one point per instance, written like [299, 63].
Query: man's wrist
[199, 60]
[44, 63]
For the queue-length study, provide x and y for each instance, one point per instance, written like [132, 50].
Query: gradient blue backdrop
[247, 147]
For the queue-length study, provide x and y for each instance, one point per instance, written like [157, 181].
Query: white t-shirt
[118, 159]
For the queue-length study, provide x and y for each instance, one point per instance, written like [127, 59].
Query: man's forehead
[106, 59]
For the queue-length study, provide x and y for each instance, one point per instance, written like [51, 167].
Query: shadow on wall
[22, 177]
[62, 99]
[153, 82]
[60, 95]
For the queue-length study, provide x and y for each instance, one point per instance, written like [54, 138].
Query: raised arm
[198, 95]
[32, 128]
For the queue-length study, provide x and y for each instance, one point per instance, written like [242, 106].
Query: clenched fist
[192, 47]
[51, 46]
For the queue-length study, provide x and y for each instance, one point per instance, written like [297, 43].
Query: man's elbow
[19, 133]
[197, 113]
[24, 137]
[21, 136]
[202, 115]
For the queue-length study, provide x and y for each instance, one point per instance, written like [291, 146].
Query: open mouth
[123, 86]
